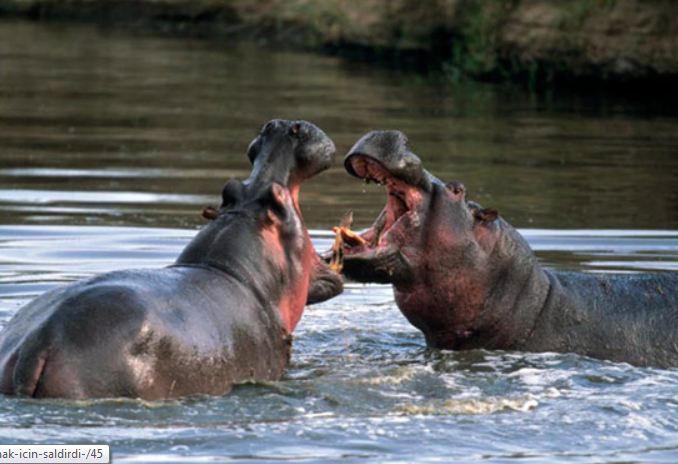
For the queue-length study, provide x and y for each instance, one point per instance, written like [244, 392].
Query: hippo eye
[295, 129]
[455, 187]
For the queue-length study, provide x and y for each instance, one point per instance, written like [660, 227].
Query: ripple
[361, 384]
[145, 173]
[63, 196]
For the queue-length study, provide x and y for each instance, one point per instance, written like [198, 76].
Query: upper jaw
[316, 156]
[373, 170]
[289, 152]
[390, 149]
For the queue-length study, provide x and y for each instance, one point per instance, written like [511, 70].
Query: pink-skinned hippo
[467, 279]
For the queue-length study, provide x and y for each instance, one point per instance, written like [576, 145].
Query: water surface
[111, 144]
[99, 127]
[361, 386]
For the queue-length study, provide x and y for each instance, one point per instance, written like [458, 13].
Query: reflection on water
[100, 128]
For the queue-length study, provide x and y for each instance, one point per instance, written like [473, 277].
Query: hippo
[468, 280]
[222, 314]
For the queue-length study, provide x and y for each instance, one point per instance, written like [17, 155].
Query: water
[110, 145]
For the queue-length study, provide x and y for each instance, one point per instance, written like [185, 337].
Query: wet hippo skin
[221, 314]
[467, 279]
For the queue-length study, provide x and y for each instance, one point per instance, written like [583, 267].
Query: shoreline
[581, 43]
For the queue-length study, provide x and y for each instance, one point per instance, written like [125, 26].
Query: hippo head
[422, 216]
[258, 231]
[283, 155]
[440, 251]
[289, 152]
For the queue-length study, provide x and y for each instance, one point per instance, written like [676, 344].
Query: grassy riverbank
[534, 40]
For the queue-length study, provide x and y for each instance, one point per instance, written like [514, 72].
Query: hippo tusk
[343, 235]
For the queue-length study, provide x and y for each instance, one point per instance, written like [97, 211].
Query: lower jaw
[366, 252]
[385, 266]
[363, 272]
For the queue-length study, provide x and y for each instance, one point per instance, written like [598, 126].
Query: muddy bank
[537, 40]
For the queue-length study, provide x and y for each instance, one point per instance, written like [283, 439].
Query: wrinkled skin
[221, 314]
[467, 279]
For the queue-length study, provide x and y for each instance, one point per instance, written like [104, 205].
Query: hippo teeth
[378, 229]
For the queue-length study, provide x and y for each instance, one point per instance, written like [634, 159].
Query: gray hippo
[221, 314]
[467, 279]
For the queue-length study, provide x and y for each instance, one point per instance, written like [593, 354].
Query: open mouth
[294, 193]
[399, 211]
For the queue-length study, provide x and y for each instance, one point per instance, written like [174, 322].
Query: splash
[468, 406]
[396, 377]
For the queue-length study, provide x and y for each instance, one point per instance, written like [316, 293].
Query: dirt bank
[539, 40]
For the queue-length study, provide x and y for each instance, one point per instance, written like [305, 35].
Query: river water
[111, 144]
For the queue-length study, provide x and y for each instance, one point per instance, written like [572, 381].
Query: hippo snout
[389, 148]
[316, 150]
[289, 152]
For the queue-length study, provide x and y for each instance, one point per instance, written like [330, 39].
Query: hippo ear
[231, 193]
[210, 213]
[485, 215]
